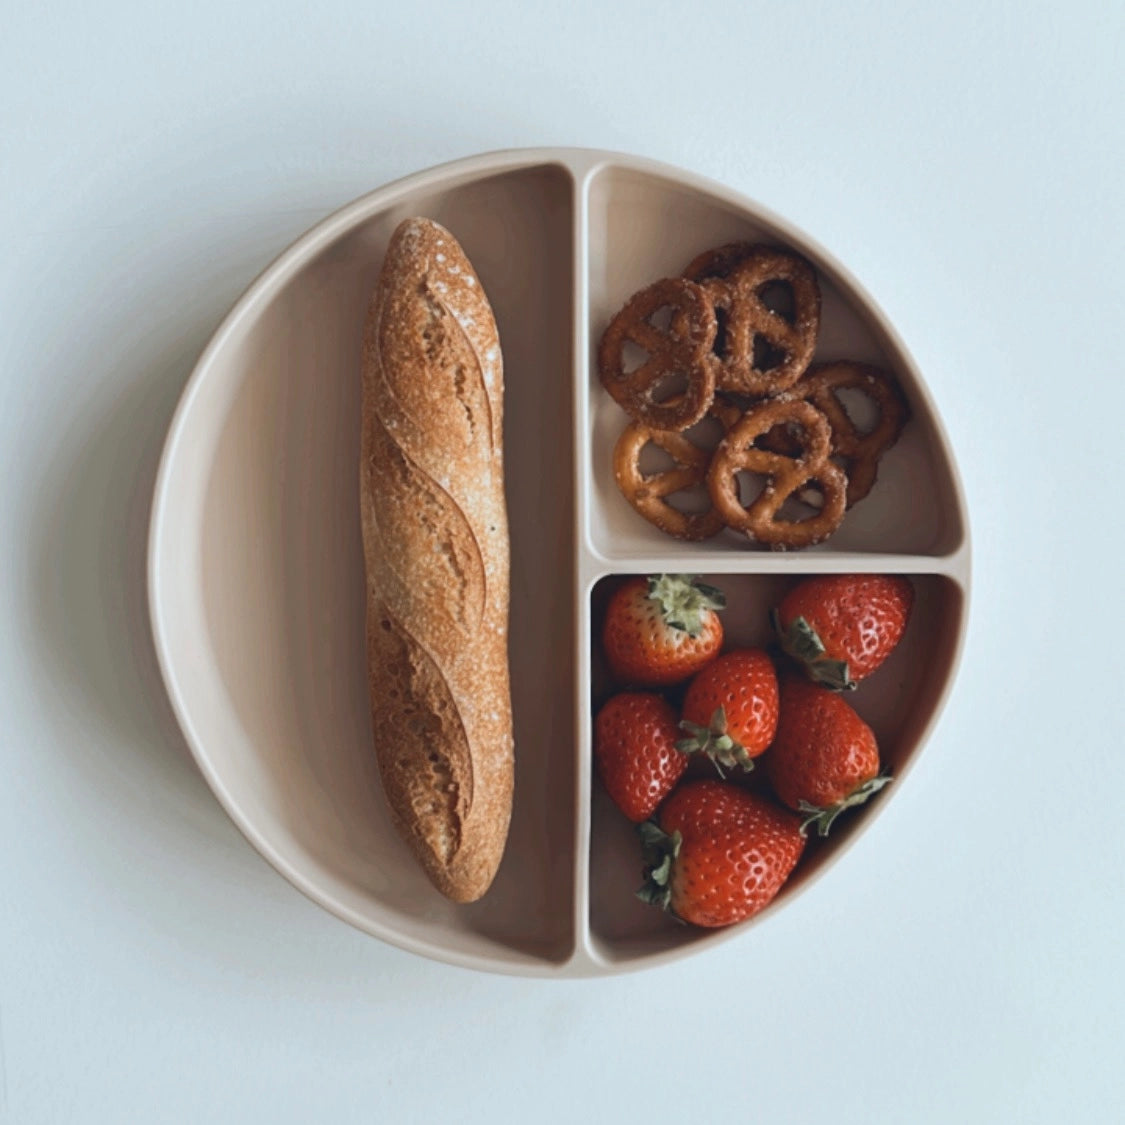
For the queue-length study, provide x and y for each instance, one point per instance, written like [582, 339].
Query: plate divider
[586, 569]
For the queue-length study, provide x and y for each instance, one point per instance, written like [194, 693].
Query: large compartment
[261, 573]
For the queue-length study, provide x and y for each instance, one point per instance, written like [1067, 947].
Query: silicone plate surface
[256, 585]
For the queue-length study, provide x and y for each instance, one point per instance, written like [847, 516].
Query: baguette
[435, 540]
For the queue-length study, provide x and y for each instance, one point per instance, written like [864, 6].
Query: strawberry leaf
[801, 642]
[824, 818]
[715, 742]
[696, 740]
[710, 596]
[662, 872]
[659, 850]
[685, 601]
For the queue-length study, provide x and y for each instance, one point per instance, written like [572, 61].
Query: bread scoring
[435, 537]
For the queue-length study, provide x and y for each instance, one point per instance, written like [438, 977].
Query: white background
[963, 961]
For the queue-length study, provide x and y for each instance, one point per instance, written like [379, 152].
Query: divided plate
[255, 576]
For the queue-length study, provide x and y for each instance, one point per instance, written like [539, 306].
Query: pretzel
[858, 451]
[749, 321]
[786, 476]
[735, 277]
[719, 262]
[648, 493]
[684, 350]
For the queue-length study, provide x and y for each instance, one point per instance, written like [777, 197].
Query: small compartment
[647, 226]
[274, 619]
[899, 700]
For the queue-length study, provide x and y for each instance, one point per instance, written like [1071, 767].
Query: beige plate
[256, 582]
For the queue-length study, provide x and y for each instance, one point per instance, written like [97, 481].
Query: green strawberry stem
[800, 641]
[658, 850]
[715, 741]
[826, 817]
[684, 600]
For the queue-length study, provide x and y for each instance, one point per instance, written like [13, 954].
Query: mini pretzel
[785, 476]
[859, 452]
[748, 320]
[649, 493]
[719, 262]
[683, 350]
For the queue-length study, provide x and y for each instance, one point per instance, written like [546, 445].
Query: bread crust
[435, 538]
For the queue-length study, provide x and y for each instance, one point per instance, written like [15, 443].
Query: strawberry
[730, 709]
[825, 758]
[635, 751]
[841, 627]
[661, 630]
[718, 853]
